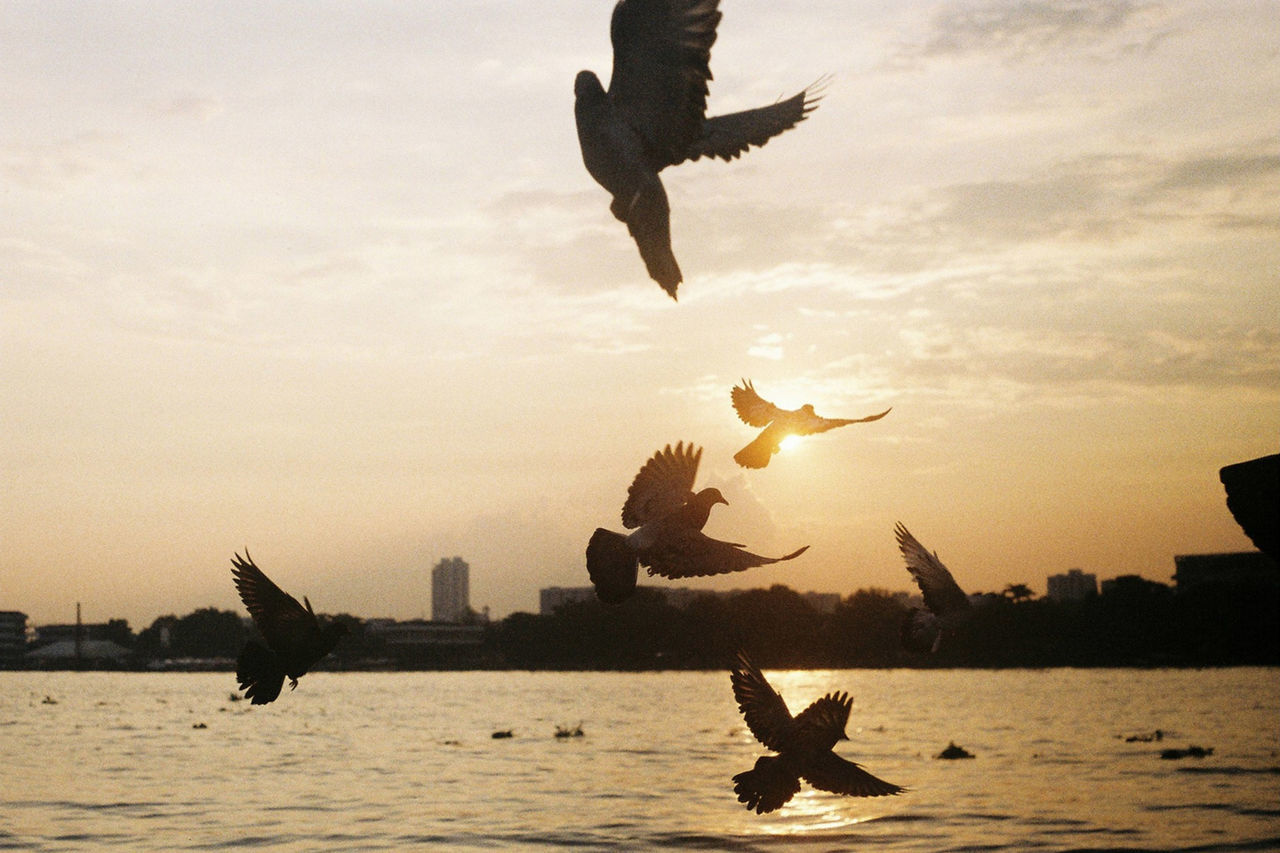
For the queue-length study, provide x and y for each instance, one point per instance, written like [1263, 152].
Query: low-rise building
[1191, 570]
[13, 637]
[1075, 585]
[552, 598]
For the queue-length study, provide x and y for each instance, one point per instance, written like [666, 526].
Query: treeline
[1138, 623]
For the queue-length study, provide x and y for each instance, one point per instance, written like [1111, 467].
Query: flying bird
[1253, 497]
[804, 744]
[654, 116]
[948, 606]
[667, 518]
[778, 423]
[295, 638]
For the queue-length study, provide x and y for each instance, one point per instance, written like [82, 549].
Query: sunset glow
[337, 288]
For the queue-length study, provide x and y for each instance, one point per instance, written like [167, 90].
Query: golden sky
[333, 284]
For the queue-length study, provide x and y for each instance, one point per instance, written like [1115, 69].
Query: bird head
[710, 497]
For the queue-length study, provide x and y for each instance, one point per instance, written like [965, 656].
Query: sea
[1063, 760]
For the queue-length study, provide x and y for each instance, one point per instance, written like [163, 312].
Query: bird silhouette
[667, 518]
[803, 744]
[948, 606]
[654, 116]
[778, 423]
[295, 638]
[1253, 497]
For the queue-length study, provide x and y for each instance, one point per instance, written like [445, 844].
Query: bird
[295, 639]
[803, 743]
[654, 115]
[1253, 497]
[778, 423]
[667, 518]
[948, 606]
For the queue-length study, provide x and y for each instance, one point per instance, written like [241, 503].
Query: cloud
[1030, 28]
[188, 105]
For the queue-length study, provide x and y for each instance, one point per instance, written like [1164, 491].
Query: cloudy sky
[329, 281]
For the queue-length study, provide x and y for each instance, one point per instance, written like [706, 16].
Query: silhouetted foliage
[1134, 622]
[204, 633]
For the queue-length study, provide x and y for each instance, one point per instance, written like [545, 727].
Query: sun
[789, 442]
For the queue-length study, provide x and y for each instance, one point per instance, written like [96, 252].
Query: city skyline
[337, 288]
[682, 594]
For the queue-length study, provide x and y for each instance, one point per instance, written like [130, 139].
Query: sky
[329, 282]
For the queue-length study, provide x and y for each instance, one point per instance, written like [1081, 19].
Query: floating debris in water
[1145, 738]
[565, 731]
[502, 733]
[200, 726]
[953, 751]
[1189, 752]
[235, 697]
[48, 700]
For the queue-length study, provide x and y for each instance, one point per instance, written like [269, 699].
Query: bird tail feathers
[612, 565]
[648, 218]
[757, 453]
[259, 673]
[767, 786]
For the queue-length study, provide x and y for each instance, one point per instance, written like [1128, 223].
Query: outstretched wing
[729, 136]
[830, 772]
[807, 423]
[753, 409]
[941, 593]
[819, 726]
[662, 486]
[278, 615]
[661, 65]
[761, 706]
[691, 553]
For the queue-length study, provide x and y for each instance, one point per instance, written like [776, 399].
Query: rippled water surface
[393, 761]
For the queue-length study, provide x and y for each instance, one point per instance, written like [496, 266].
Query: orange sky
[338, 289]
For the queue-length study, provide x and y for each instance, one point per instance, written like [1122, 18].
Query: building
[552, 598]
[450, 590]
[1191, 570]
[420, 634]
[101, 653]
[1075, 585]
[13, 637]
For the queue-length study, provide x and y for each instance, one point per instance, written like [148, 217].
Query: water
[393, 761]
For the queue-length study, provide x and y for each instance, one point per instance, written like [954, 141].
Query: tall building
[450, 590]
[1075, 585]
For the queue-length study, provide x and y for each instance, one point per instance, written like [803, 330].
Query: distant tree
[864, 630]
[119, 632]
[1017, 592]
[204, 633]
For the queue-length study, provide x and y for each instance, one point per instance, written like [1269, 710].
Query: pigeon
[804, 745]
[667, 517]
[756, 411]
[949, 607]
[295, 637]
[654, 116]
[1253, 497]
